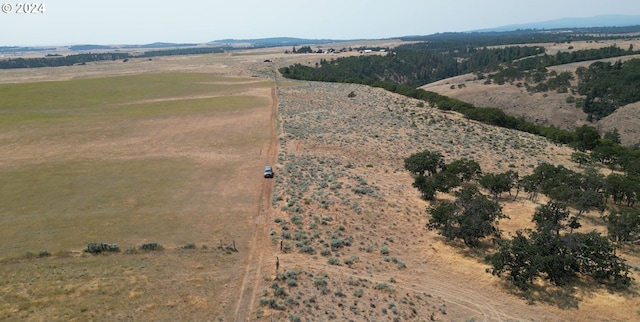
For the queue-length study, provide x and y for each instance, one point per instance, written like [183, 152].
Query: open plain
[172, 151]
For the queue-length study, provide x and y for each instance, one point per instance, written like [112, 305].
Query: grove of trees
[555, 250]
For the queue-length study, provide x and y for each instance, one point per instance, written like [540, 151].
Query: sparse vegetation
[151, 246]
[96, 248]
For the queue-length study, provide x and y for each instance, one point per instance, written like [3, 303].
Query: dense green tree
[499, 183]
[470, 218]
[630, 190]
[516, 258]
[532, 185]
[432, 175]
[465, 170]
[427, 186]
[584, 191]
[580, 158]
[623, 225]
[586, 138]
[615, 185]
[591, 195]
[587, 200]
[556, 182]
[595, 256]
[608, 153]
[550, 219]
[612, 135]
[442, 181]
[446, 180]
[424, 163]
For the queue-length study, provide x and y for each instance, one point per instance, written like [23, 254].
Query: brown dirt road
[260, 242]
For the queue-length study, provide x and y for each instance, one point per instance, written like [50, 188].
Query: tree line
[554, 250]
[524, 36]
[79, 59]
[412, 65]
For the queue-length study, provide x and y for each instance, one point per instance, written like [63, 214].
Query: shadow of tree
[562, 297]
[567, 296]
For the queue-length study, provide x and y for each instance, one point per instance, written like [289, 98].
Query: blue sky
[68, 22]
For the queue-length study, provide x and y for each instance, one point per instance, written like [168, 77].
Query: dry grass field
[131, 158]
[171, 151]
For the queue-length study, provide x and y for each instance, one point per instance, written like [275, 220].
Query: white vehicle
[268, 172]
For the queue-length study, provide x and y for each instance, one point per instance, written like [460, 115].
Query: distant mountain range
[588, 22]
[272, 42]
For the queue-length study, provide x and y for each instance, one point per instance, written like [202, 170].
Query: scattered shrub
[153, 246]
[296, 219]
[292, 282]
[308, 249]
[383, 287]
[334, 261]
[96, 248]
[280, 291]
[319, 282]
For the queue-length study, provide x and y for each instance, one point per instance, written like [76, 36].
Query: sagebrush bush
[308, 249]
[292, 282]
[334, 261]
[153, 246]
[320, 282]
[383, 287]
[96, 248]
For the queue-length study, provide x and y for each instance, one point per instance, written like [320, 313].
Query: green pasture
[62, 203]
[43, 100]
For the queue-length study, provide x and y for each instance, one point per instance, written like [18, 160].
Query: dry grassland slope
[352, 229]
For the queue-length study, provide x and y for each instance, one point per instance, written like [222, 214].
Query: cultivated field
[171, 151]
